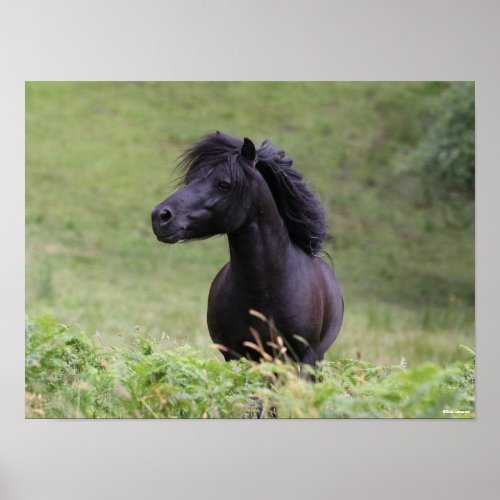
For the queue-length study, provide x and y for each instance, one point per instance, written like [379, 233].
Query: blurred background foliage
[444, 159]
[392, 162]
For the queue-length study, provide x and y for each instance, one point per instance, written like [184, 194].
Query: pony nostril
[165, 215]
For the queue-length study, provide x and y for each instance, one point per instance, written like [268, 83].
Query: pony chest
[229, 308]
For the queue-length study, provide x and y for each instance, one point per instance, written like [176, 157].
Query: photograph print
[237, 250]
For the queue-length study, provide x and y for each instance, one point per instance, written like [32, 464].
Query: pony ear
[248, 150]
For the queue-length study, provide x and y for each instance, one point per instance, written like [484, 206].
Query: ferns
[69, 376]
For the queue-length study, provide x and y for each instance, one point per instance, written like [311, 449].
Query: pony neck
[259, 248]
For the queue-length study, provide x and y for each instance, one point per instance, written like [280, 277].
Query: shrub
[445, 157]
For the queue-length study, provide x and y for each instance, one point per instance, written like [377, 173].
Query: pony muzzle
[162, 222]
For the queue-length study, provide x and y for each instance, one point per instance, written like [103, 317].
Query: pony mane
[298, 206]
[209, 152]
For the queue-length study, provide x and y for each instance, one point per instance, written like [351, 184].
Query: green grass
[70, 376]
[99, 156]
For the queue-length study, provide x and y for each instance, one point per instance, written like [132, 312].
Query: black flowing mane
[298, 206]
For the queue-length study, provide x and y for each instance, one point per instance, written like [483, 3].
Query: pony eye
[223, 185]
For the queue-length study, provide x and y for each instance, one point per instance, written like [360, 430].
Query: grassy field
[99, 156]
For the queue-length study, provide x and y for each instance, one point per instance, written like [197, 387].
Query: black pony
[276, 228]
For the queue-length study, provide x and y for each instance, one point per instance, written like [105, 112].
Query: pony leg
[310, 360]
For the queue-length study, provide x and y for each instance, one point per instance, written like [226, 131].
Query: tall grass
[69, 375]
